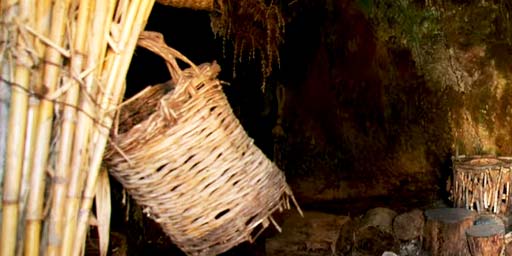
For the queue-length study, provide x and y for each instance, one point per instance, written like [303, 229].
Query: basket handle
[154, 41]
[186, 82]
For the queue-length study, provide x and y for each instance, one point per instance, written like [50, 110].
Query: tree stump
[445, 231]
[486, 239]
[408, 229]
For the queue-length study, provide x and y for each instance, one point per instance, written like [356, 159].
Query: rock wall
[380, 112]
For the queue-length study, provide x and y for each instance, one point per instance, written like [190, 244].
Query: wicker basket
[206, 5]
[186, 159]
[482, 183]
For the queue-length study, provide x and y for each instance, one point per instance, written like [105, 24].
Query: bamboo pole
[15, 134]
[45, 121]
[65, 140]
[42, 9]
[102, 13]
[85, 123]
[103, 209]
[34, 208]
[5, 95]
[132, 24]
[87, 115]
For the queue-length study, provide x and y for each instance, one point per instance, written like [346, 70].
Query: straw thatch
[63, 63]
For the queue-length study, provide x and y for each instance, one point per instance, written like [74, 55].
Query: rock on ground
[314, 234]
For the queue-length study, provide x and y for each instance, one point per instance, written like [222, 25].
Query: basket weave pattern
[191, 165]
[482, 183]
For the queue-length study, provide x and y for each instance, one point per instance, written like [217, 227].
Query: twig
[47, 41]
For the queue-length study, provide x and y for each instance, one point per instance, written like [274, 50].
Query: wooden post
[486, 239]
[445, 231]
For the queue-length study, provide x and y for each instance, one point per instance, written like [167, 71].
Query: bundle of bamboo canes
[62, 70]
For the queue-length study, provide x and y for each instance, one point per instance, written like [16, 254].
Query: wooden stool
[445, 231]
[486, 239]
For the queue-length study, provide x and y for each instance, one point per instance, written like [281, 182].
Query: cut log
[486, 239]
[445, 231]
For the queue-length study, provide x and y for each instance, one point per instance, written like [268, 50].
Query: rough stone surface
[380, 217]
[315, 234]
[508, 249]
[409, 225]
[389, 254]
[410, 247]
[368, 235]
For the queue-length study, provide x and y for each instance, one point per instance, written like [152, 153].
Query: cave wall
[374, 116]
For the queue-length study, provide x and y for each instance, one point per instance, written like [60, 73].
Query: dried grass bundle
[253, 26]
[64, 63]
[192, 4]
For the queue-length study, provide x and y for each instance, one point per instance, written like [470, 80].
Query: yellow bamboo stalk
[103, 209]
[98, 29]
[34, 207]
[4, 4]
[27, 167]
[57, 36]
[132, 25]
[42, 11]
[5, 95]
[65, 140]
[80, 132]
[45, 120]
[15, 134]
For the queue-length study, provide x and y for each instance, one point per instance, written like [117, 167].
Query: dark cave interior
[362, 126]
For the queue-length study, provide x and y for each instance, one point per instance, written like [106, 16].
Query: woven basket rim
[479, 162]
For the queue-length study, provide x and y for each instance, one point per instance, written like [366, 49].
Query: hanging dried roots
[252, 26]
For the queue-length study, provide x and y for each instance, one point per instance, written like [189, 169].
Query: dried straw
[15, 133]
[64, 62]
[103, 210]
[102, 11]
